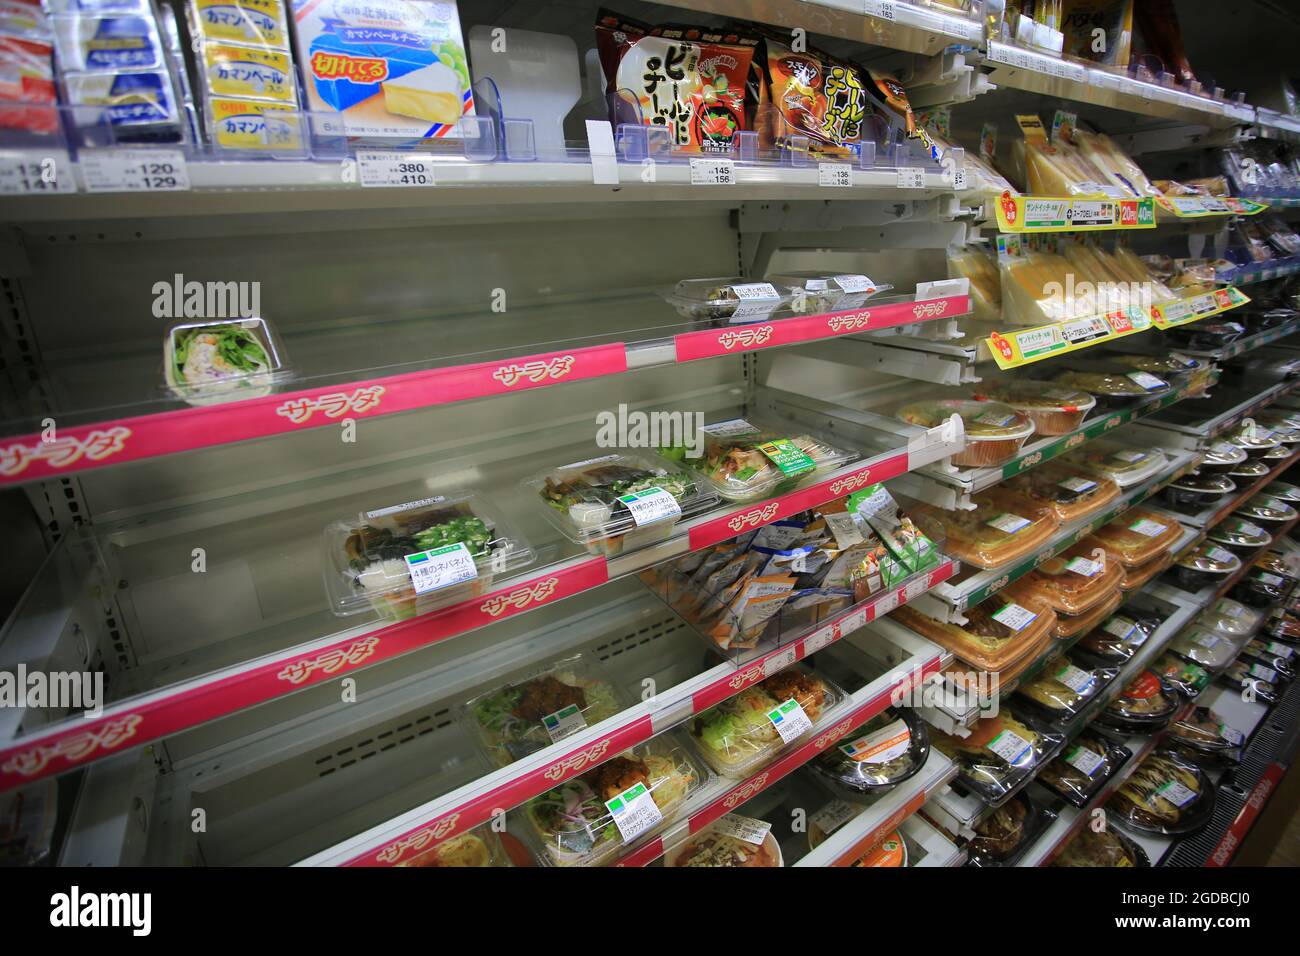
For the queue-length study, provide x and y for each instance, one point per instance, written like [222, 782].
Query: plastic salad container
[994, 432]
[1136, 577]
[1267, 509]
[998, 631]
[1193, 492]
[1230, 618]
[1107, 848]
[1083, 767]
[222, 360]
[1003, 527]
[542, 705]
[1146, 704]
[1121, 464]
[734, 298]
[480, 847]
[407, 559]
[1139, 535]
[826, 291]
[1186, 677]
[1064, 687]
[578, 822]
[1167, 793]
[1118, 638]
[1122, 385]
[1072, 625]
[1069, 491]
[619, 502]
[1054, 409]
[730, 842]
[1206, 566]
[1221, 458]
[1074, 581]
[1002, 836]
[744, 461]
[1203, 646]
[1255, 444]
[1283, 492]
[1239, 536]
[1000, 752]
[878, 756]
[745, 732]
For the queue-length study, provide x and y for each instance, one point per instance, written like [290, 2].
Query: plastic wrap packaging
[1072, 625]
[1253, 677]
[407, 559]
[889, 853]
[733, 298]
[1100, 150]
[981, 269]
[998, 632]
[27, 69]
[1250, 469]
[1145, 705]
[480, 847]
[1239, 536]
[1206, 739]
[1206, 566]
[1188, 678]
[1003, 835]
[1053, 409]
[1122, 464]
[1083, 767]
[999, 754]
[619, 502]
[1192, 493]
[1283, 492]
[1135, 578]
[1003, 527]
[1060, 170]
[878, 756]
[578, 822]
[1080, 21]
[542, 706]
[826, 291]
[1276, 668]
[1203, 646]
[1139, 535]
[1221, 458]
[28, 816]
[1115, 384]
[223, 360]
[1074, 581]
[1266, 509]
[1117, 638]
[1064, 687]
[1230, 618]
[1069, 491]
[1161, 365]
[994, 432]
[1167, 793]
[729, 843]
[1098, 849]
[746, 732]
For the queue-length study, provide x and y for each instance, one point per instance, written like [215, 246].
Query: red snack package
[808, 94]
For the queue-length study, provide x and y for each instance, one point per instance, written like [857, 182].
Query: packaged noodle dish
[1074, 581]
[1067, 489]
[994, 432]
[1166, 794]
[1003, 527]
[1138, 535]
[879, 755]
[733, 842]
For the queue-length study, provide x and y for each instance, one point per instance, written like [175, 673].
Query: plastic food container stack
[1054, 409]
[1068, 490]
[1122, 464]
[994, 432]
[1003, 527]
[1000, 632]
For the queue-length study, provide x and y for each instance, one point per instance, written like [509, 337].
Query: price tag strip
[1070, 214]
[394, 169]
[134, 170]
[713, 172]
[36, 173]
[1172, 314]
[1194, 207]
[1025, 346]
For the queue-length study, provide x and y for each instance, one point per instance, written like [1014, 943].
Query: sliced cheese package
[1060, 169]
[1102, 151]
[975, 264]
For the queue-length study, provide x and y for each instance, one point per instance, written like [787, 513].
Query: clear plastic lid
[983, 420]
[602, 499]
[1239, 533]
[1003, 527]
[586, 821]
[222, 360]
[1283, 492]
[1187, 677]
[1204, 646]
[1122, 464]
[1165, 794]
[1231, 618]
[1209, 558]
[542, 705]
[1135, 384]
[1205, 484]
[1146, 699]
[1266, 508]
[1250, 469]
[1135, 577]
[1105, 848]
[1028, 396]
[1076, 580]
[826, 291]
[1072, 625]
[1118, 637]
[408, 558]
[1083, 767]
[1067, 489]
[1002, 835]
[1160, 365]
[747, 460]
[1246, 674]
[732, 842]
[1223, 454]
[999, 631]
[479, 847]
[734, 298]
[1065, 686]
[746, 732]
[879, 755]
[1139, 535]
[1000, 752]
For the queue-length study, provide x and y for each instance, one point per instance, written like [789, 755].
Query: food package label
[634, 812]
[651, 506]
[815, 97]
[129, 99]
[231, 70]
[441, 568]
[253, 124]
[744, 828]
[108, 43]
[1085, 761]
[253, 22]
[790, 720]
[1014, 616]
[888, 743]
[564, 722]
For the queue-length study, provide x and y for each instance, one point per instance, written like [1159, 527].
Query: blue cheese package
[390, 68]
[129, 99]
[93, 43]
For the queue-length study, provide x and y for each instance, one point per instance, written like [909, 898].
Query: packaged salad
[1139, 535]
[1072, 625]
[1105, 848]
[1068, 490]
[222, 360]
[1054, 409]
[733, 841]
[1221, 458]
[586, 821]
[825, 291]
[1066, 686]
[999, 632]
[1003, 835]
[480, 847]
[1003, 527]
[617, 503]
[745, 732]
[1122, 464]
[1167, 794]
[733, 298]
[1117, 638]
[1083, 767]
[1001, 752]
[743, 461]
[1076, 580]
[994, 432]
[541, 706]
[407, 559]
[878, 756]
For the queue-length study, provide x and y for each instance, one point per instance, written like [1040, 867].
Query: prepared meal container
[1230, 618]
[587, 820]
[889, 853]
[480, 847]
[1256, 443]
[1277, 454]
[222, 360]
[406, 559]
[997, 634]
[1191, 493]
[1283, 491]
[1138, 535]
[999, 754]
[1258, 593]
[1083, 767]
[1003, 527]
[825, 291]
[1249, 469]
[1221, 458]
[745, 461]
[1072, 625]
[1267, 509]
[745, 732]
[1205, 738]
[1204, 646]
[1076, 580]
[616, 503]
[734, 298]
[733, 841]
[1054, 409]
[1121, 464]
[1065, 686]
[1068, 490]
[1004, 834]
[1186, 677]
[1276, 657]
[1136, 577]
[1207, 336]
[1253, 677]
[1146, 704]
[1117, 638]
[1239, 536]
[1161, 365]
[1105, 848]
[541, 706]
[878, 756]
[1167, 793]
[1206, 566]
[1121, 385]
[994, 432]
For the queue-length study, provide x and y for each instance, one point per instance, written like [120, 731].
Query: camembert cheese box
[391, 68]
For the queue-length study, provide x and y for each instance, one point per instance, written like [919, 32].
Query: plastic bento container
[479, 847]
[1074, 581]
[1083, 767]
[542, 705]
[1206, 566]
[1267, 509]
[1255, 443]
[1161, 365]
[577, 823]
[1283, 492]
[1193, 492]
[1122, 464]
[1185, 676]
[998, 632]
[889, 853]
[734, 298]
[826, 291]
[1064, 687]
[1221, 458]
[1104, 848]
[1145, 705]
[1117, 638]
[746, 461]
[620, 502]
[719, 846]
[1205, 738]
[1072, 625]
[1000, 752]
[1135, 578]
[407, 559]
[1203, 646]
[1239, 536]
[1054, 409]
[1003, 836]
[1167, 793]
[1003, 527]
[1139, 535]
[741, 735]
[1277, 658]
[1253, 677]
[1068, 490]
[1122, 385]
[222, 360]
[882, 753]
[994, 432]
[1230, 618]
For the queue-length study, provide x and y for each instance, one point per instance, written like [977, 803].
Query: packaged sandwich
[971, 262]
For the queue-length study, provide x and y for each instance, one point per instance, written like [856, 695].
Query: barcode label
[789, 720]
[1015, 617]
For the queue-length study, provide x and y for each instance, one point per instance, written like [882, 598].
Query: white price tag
[886, 602]
[851, 623]
[915, 588]
[441, 568]
[1120, 627]
[134, 170]
[651, 506]
[713, 172]
[959, 181]
[1130, 455]
[394, 169]
[1207, 640]
[634, 812]
[1175, 793]
[1218, 554]
[1085, 761]
[816, 641]
[1266, 674]
[408, 506]
[780, 661]
[1075, 678]
[789, 720]
[1249, 528]
[911, 177]
[1009, 523]
[881, 9]
[881, 746]
[1015, 617]
[834, 174]
[1077, 485]
[755, 291]
[1272, 580]
[564, 722]
[1234, 737]
[36, 173]
[834, 815]
[743, 828]
[729, 428]
[854, 283]
[1010, 746]
[1084, 567]
[1148, 528]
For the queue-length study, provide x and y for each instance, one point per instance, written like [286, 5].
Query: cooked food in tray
[1104, 848]
[1076, 580]
[994, 432]
[1003, 527]
[1138, 535]
[1054, 409]
[1069, 491]
[879, 755]
[1083, 767]
[997, 634]
[1165, 794]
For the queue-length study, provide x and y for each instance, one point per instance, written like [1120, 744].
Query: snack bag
[891, 101]
[808, 94]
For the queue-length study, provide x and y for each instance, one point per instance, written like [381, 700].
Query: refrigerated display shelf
[1191, 430]
[1247, 343]
[1209, 208]
[1269, 269]
[107, 413]
[1213, 515]
[1188, 309]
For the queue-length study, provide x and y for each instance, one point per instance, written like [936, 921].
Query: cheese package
[129, 99]
[258, 23]
[971, 262]
[390, 68]
[1080, 21]
[90, 44]
[229, 70]
[254, 125]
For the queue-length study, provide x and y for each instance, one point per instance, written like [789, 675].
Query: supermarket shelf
[93, 434]
[1209, 208]
[1269, 269]
[1229, 407]
[1169, 315]
[1211, 516]
[1208, 595]
[1248, 343]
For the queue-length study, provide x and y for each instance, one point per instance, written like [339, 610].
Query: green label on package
[788, 456]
